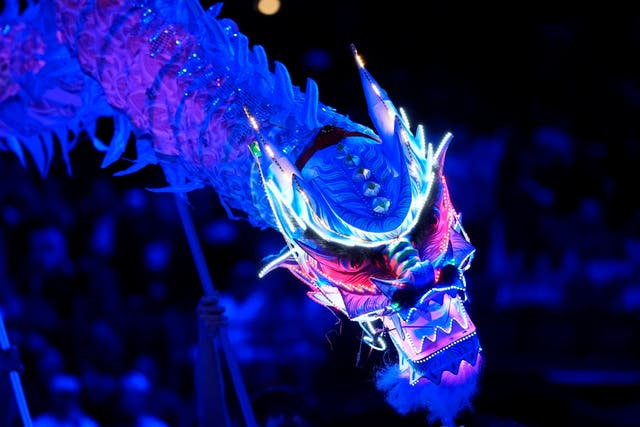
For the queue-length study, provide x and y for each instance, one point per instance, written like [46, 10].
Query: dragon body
[365, 213]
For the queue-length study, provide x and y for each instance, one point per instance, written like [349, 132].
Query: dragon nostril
[448, 274]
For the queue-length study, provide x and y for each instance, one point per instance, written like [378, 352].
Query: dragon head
[370, 228]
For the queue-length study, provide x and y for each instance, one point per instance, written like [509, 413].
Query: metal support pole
[207, 285]
[15, 378]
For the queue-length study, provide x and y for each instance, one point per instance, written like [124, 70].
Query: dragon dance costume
[365, 214]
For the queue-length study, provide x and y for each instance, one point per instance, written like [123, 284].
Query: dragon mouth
[435, 336]
[449, 359]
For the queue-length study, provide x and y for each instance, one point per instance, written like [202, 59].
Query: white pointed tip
[252, 120]
[414, 376]
[442, 148]
[403, 364]
[357, 56]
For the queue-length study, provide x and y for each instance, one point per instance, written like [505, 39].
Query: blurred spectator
[10, 360]
[282, 407]
[64, 409]
[278, 333]
[44, 361]
[105, 348]
[136, 403]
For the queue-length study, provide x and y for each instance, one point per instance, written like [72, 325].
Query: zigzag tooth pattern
[437, 332]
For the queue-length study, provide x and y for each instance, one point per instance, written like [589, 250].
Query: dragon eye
[349, 263]
[448, 274]
[427, 223]
[433, 216]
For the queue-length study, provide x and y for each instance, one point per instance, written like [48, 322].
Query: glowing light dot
[268, 7]
[269, 151]
[252, 120]
[303, 194]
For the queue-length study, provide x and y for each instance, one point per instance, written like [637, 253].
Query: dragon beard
[441, 402]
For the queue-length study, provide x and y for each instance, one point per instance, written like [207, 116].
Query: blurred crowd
[100, 293]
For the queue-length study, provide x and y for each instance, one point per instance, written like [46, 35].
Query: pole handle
[15, 378]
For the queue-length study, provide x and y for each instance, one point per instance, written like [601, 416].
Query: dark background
[542, 102]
